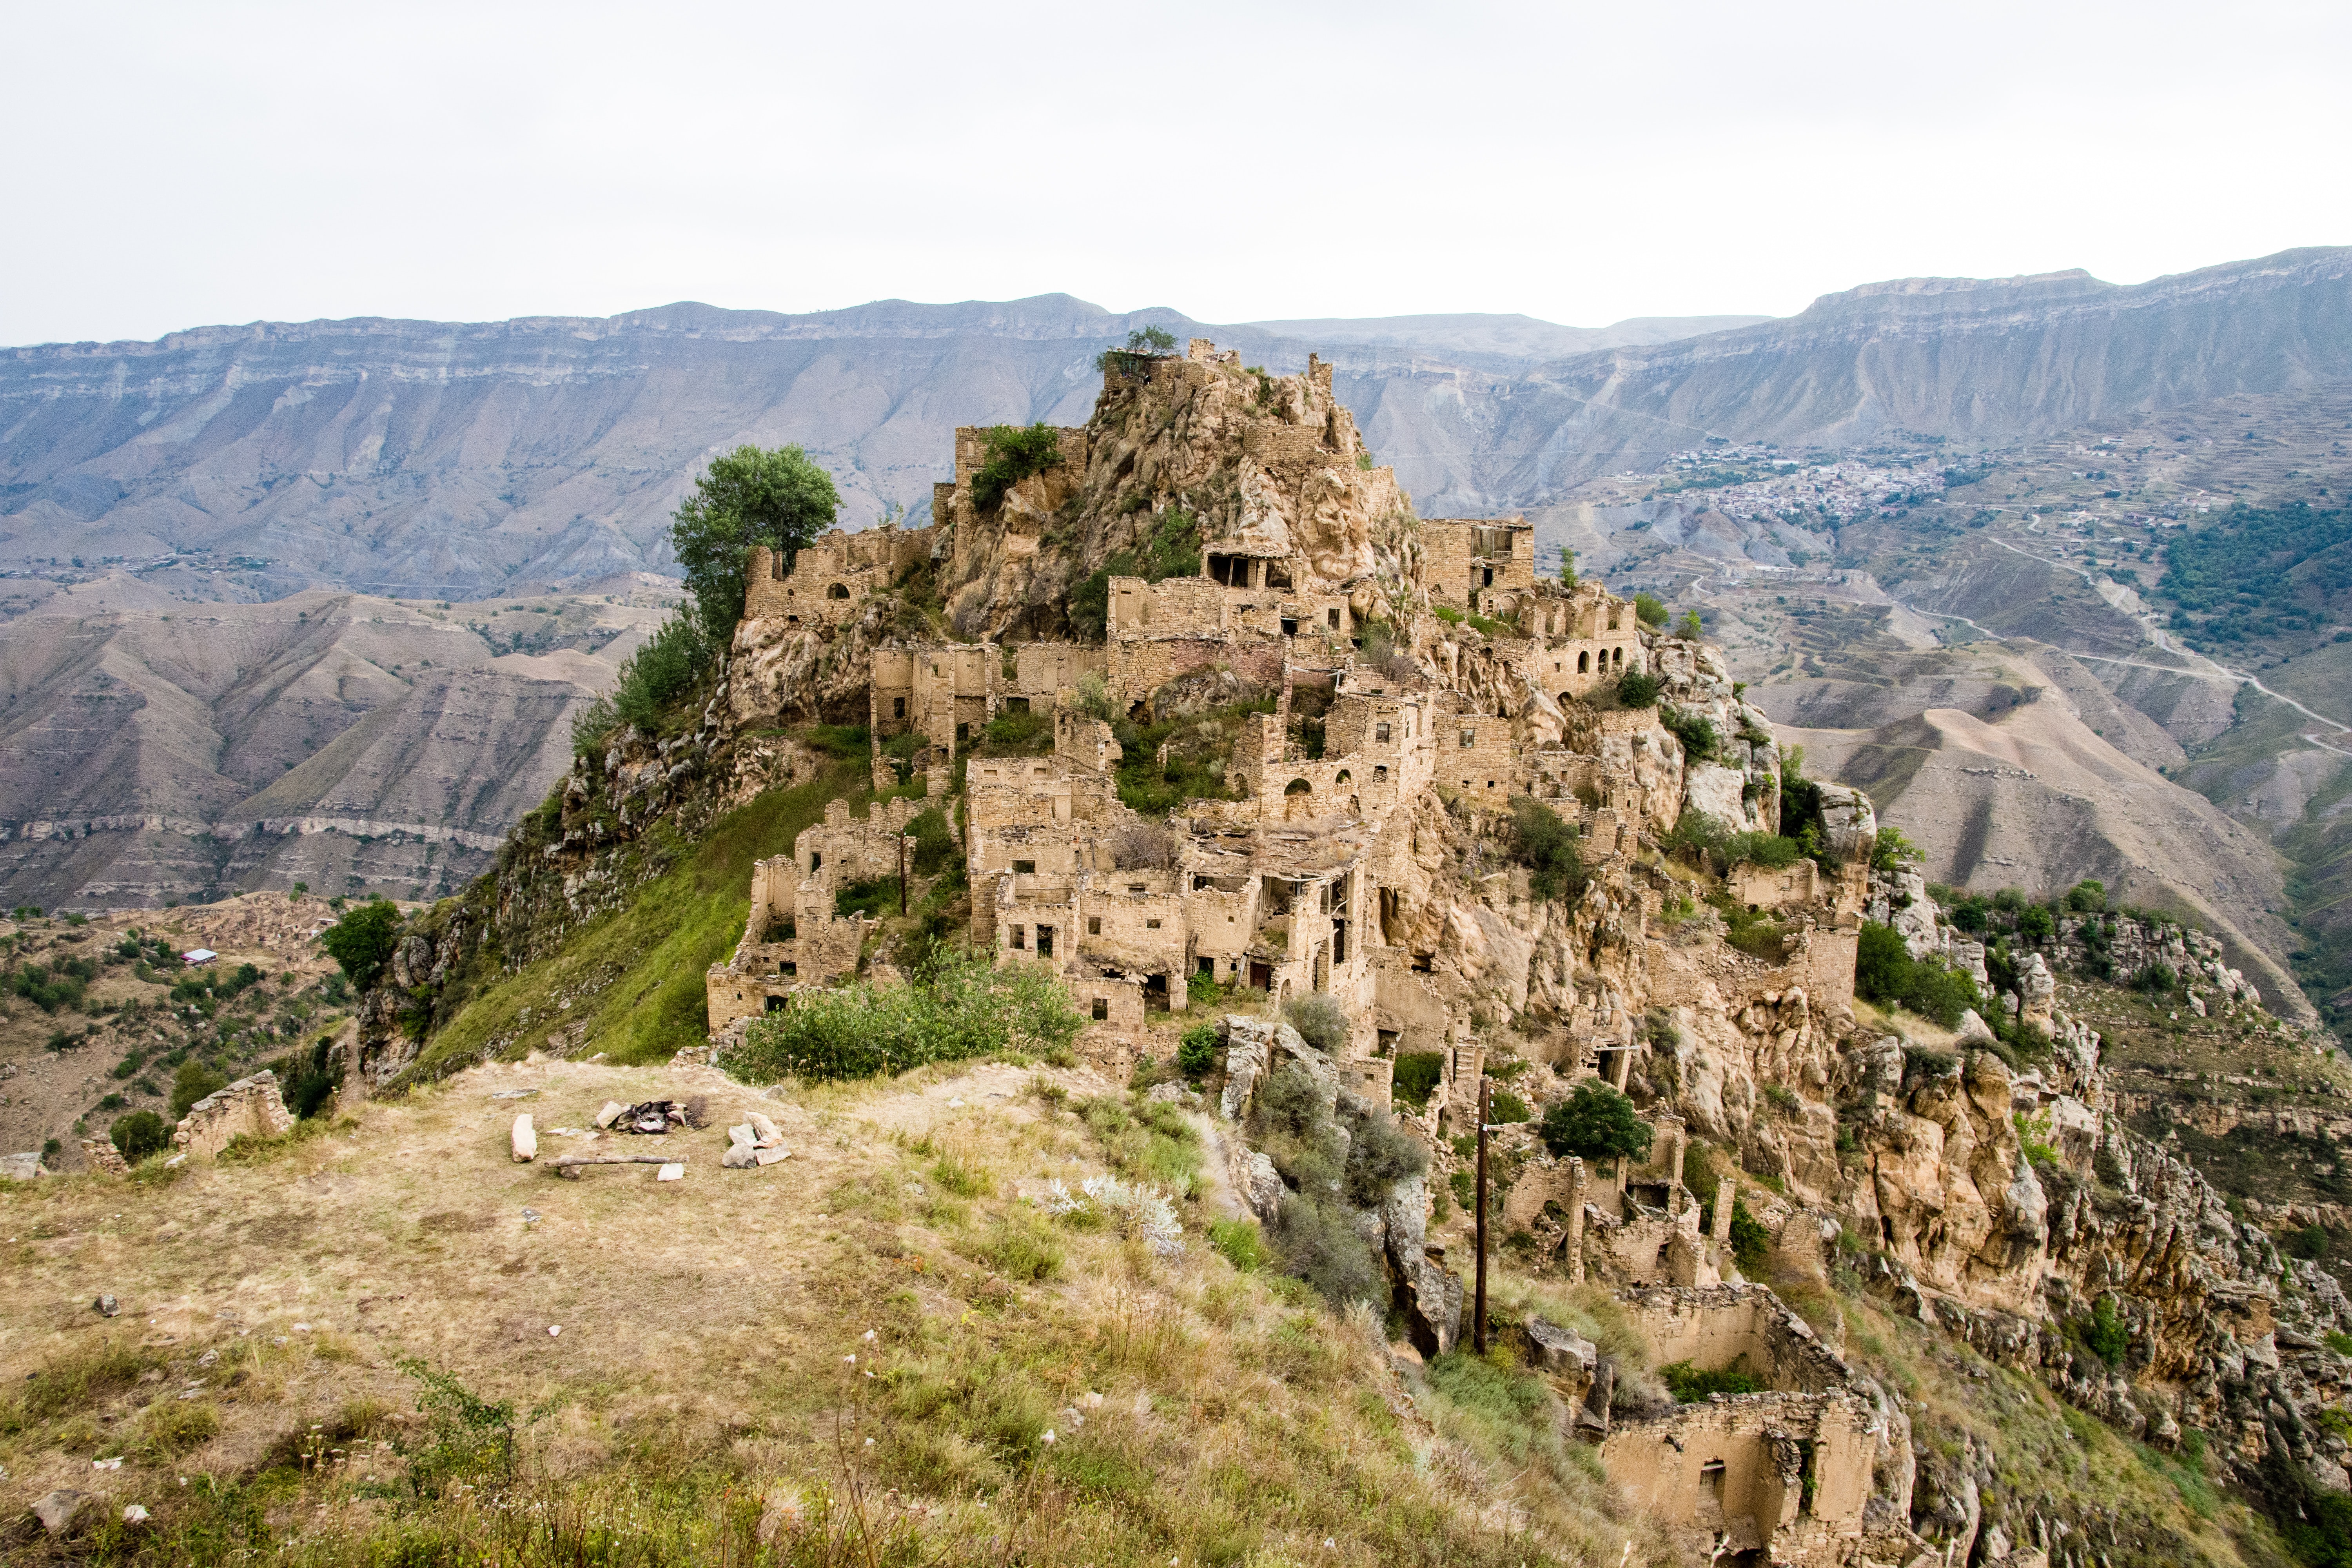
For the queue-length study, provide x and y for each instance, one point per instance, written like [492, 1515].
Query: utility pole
[1478, 1321]
[903, 842]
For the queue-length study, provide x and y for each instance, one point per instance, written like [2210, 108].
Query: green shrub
[1318, 1242]
[1240, 1242]
[1650, 609]
[467, 1440]
[2310, 1243]
[2104, 1333]
[1596, 1123]
[1380, 1156]
[192, 1083]
[1692, 1386]
[935, 846]
[662, 671]
[1885, 972]
[1696, 731]
[1173, 549]
[308, 1080]
[1417, 1073]
[1505, 1106]
[964, 1006]
[140, 1134]
[1013, 452]
[1321, 1021]
[1750, 1242]
[1546, 844]
[1196, 1053]
[873, 897]
[1635, 690]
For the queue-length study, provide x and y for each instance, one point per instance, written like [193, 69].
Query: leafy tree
[1596, 1123]
[140, 1134]
[1143, 343]
[778, 497]
[1635, 690]
[2087, 897]
[364, 941]
[1650, 609]
[2035, 922]
[1567, 565]
[1693, 627]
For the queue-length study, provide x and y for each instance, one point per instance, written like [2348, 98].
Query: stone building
[1780, 1475]
[794, 935]
[827, 581]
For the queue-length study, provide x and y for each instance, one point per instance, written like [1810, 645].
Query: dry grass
[702, 1374]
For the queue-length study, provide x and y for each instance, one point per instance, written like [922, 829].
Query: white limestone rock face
[1848, 823]
[1715, 791]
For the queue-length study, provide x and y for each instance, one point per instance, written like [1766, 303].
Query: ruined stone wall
[249, 1107]
[1465, 559]
[1135, 667]
[1733, 1471]
[830, 578]
[1736, 1328]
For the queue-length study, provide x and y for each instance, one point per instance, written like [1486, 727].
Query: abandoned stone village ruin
[1200, 701]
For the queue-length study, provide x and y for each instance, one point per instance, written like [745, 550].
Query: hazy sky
[180, 165]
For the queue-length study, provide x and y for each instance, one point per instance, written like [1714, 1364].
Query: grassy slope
[636, 975]
[704, 1369]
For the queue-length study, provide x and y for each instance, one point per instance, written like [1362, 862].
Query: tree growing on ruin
[1651, 609]
[780, 497]
[1596, 1123]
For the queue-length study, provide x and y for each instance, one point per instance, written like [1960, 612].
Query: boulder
[769, 1134]
[1555, 1350]
[1974, 1031]
[739, 1157]
[614, 1111]
[1248, 1049]
[56, 1510]
[1428, 1292]
[1849, 824]
[525, 1140]
[1258, 1181]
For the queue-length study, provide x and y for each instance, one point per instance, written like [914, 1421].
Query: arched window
[838, 591]
[1617, 658]
[1584, 663]
[1566, 698]
[1297, 787]
[1343, 778]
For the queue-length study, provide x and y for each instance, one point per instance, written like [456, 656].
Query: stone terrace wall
[251, 1107]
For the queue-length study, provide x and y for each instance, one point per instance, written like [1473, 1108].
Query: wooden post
[902, 876]
[1478, 1321]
